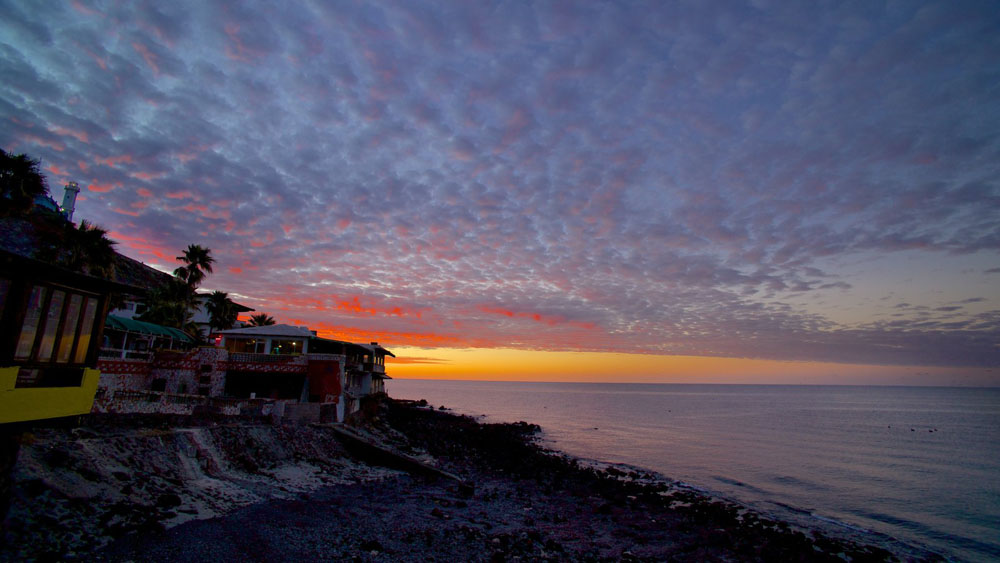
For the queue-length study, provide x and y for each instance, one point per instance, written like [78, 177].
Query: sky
[619, 191]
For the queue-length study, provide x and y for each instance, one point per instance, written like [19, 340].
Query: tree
[169, 305]
[21, 181]
[261, 319]
[197, 264]
[222, 311]
[173, 304]
[88, 249]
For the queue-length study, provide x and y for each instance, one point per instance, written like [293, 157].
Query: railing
[245, 357]
[373, 367]
[117, 354]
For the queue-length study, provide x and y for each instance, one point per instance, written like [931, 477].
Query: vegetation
[21, 181]
[88, 249]
[197, 264]
[173, 304]
[261, 319]
[85, 248]
[170, 305]
[222, 311]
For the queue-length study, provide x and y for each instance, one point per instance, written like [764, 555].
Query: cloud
[657, 179]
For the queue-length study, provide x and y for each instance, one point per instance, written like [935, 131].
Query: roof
[131, 325]
[240, 308]
[374, 347]
[34, 236]
[269, 330]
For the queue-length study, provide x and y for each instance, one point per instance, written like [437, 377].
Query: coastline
[297, 493]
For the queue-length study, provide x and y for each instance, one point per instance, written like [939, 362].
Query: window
[70, 328]
[57, 326]
[32, 316]
[286, 346]
[86, 330]
[52, 318]
[245, 345]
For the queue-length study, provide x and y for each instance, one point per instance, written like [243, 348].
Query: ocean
[918, 464]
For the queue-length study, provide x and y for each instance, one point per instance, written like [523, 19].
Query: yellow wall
[37, 403]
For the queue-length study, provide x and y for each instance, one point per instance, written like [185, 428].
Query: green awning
[141, 327]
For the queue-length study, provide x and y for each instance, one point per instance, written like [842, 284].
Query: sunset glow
[526, 365]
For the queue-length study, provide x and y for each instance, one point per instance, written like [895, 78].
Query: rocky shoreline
[158, 489]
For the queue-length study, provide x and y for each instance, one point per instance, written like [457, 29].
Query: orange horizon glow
[502, 364]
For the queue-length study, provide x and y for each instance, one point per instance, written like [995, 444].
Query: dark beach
[262, 493]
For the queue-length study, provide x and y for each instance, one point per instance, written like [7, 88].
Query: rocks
[168, 500]
[529, 504]
[79, 489]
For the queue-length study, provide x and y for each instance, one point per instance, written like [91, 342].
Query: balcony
[247, 357]
[267, 363]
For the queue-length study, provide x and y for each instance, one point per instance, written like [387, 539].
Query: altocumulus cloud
[774, 180]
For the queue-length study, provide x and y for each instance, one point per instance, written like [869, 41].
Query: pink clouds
[584, 176]
[101, 188]
[81, 136]
[113, 161]
[149, 57]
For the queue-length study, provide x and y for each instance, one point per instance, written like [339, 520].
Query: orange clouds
[353, 305]
[142, 246]
[390, 338]
[551, 321]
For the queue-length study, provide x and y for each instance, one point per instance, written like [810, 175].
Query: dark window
[205, 380]
[159, 385]
[204, 391]
[4, 287]
[205, 368]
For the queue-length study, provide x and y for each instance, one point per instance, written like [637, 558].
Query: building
[251, 366]
[133, 308]
[282, 361]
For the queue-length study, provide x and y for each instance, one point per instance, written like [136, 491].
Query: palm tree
[197, 261]
[21, 181]
[261, 319]
[88, 249]
[221, 311]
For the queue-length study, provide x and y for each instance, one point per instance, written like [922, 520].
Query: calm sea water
[919, 464]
